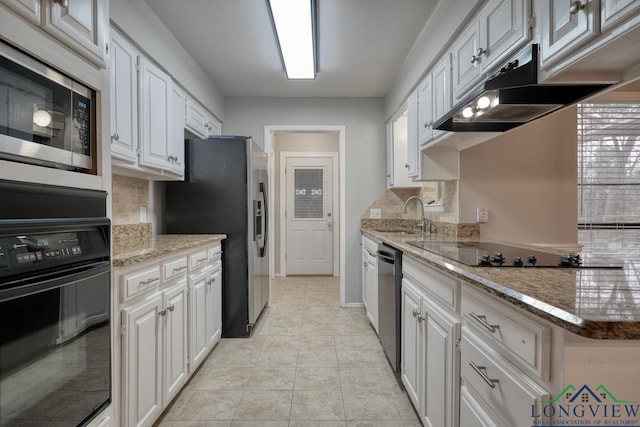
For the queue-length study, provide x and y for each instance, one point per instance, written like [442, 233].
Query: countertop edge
[601, 330]
[163, 245]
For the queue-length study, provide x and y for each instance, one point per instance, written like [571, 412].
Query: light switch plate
[375, 213]
[482, 215]
[143, 214]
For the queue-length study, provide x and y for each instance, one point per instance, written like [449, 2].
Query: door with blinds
[309, 216]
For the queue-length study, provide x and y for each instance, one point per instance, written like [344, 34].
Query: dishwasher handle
[386, 257]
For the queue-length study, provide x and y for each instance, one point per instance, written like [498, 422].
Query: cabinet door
[142, 362]
[614, 12]
[28, 9]
[472, 412]
[155, 116]
[372, 290]
[175, 341]
[196, 120]
[216, 293]
[83, 26]
[198, 293]
[466, 65]
[441, 366]
[124, 99]
[413, 150]
[411, 341]
[365, 277]
[425, 110]
[213, 126]
[442, 95]
[505, 27]
[565, 27]
[177, 143]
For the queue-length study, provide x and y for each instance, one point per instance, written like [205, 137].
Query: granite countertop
[593, 303]
[163, 244]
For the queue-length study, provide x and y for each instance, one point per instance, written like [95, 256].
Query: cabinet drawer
[139, 281]
[507, 392]
[173, 268]
[198, 259]
[370, 245]
[518, 336]
[442, 286]
[214, 253]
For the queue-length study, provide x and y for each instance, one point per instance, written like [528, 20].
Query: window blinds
[609, 179]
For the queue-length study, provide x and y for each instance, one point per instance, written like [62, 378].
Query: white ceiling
[362, 44]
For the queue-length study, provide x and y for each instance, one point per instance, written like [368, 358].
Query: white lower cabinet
[170, 323]
[430, 359]
[370, 280]
[143, 359]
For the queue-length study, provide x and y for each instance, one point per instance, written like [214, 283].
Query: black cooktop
[484, 254]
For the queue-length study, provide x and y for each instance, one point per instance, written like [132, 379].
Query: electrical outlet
[375, 213]
[482, 215]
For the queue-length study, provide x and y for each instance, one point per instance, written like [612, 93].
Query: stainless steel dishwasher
[389, 302]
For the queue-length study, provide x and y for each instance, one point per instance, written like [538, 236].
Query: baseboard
[354, 305]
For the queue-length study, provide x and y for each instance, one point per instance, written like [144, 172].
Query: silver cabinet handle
[406, 165]
[415, 313]
[146, 282]
[116, 137]
[62, 3]
[201, 260]
[482, 371]
[474, 59]
[480, 52]
[364, 264]
[576, 7]
[483, 321]
[171, 307]
[176, 269]
[163, 312]
[420, 318]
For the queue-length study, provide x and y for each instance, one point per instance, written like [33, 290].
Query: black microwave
[46, 118]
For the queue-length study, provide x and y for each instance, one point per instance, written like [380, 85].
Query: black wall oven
[55, 310]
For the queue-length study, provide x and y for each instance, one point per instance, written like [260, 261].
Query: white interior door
[309, 215]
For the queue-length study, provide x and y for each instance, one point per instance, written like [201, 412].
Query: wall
[298, 142]
[527, 179]
[365, 152]
[144, 27]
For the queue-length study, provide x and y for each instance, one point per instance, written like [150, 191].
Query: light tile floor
[309, 363]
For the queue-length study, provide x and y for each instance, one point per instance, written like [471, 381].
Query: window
[609, 179]
[308, 197]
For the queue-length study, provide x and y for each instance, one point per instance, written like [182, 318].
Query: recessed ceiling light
[294, 21]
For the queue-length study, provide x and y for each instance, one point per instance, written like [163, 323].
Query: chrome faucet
[426, 223]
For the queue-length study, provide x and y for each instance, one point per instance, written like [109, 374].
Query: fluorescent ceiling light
[294, 22]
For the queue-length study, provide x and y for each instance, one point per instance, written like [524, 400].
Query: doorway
[301, 148]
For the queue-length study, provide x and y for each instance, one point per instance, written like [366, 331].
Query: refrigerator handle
[264, 217]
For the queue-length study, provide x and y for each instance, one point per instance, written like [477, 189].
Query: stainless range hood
[512, 97]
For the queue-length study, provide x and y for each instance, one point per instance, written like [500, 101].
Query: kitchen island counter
[593, 303]
[163, 244]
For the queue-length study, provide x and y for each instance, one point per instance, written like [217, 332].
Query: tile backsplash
[129, 195]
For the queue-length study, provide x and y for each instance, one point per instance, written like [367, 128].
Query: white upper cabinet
[565, 26]
[412, 135]
[213, 126]
[501, 27]
[124, 99]
[155, 116]
[80, 24]
[196, 120]
[442, 95]
[179, 105]
[614, 12]
[28, 9]
[466, 65]
[425, 109]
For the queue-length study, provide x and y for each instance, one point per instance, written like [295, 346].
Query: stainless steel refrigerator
[225, 191]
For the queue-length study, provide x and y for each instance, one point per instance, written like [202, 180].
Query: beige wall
[298, 142]
[527, 179]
